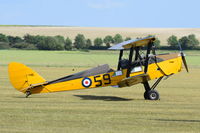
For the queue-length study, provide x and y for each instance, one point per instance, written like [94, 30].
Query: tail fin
[22, 77]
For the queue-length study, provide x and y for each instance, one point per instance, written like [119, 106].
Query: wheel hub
[153, 95]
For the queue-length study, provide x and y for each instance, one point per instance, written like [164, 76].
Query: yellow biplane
[138, 68]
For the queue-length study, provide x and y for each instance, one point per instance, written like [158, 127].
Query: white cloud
[105, 4]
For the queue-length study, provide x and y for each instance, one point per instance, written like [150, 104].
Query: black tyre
[146, 95]
[28, 93]
[153, 95]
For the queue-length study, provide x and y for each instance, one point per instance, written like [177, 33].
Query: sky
[102, 13]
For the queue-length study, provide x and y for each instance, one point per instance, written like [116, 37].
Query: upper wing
[133, 80]
[133, 43]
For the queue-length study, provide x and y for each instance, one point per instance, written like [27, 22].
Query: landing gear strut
[150, 93]
[28, 93]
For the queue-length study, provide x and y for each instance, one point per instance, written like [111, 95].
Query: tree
[98, 42]
[3, 38]
[118, 38]
[108, 40]
[30, 39]
[88, 43]
[4, 45]
[189, 42]
[49, 43]
[80, 41]
[13, 40]
[172, 41]
[33, 39]
[183, 41]
[193, 42]
[127, 38]
[68, 44]
[60, 39]
[157, 43]
[24, 45]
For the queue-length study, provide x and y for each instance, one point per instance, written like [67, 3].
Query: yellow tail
[23, 77]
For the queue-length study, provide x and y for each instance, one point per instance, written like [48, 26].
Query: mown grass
[100, 110]
[74, 58]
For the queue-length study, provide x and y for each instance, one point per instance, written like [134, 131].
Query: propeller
[183, 57]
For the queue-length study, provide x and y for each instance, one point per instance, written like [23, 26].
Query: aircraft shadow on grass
[104, 98]
[175, 120]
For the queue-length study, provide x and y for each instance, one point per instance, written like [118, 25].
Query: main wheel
[153, 95]
[28, 93]
[146, 95]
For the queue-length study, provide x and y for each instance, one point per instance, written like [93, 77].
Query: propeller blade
[184, 62]
[180, 46]
[183, 57]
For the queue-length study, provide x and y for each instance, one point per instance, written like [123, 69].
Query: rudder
[22, 77]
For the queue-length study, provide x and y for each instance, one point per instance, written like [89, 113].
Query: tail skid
[22, 77]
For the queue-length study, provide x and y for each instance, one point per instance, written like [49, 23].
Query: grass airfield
[100, 110]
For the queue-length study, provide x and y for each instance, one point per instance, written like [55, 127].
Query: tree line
[57, 42]
[187, 42]
[38, 42]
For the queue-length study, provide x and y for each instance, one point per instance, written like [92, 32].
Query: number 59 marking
[106, 79]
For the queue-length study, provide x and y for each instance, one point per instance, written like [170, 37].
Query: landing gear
[150, 93]
[153, 95]
[146, 95]
[28, 93]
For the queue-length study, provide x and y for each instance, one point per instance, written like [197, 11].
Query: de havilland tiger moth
[137, 68]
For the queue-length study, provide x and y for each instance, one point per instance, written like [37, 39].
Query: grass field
[100, 110]
[93, 32]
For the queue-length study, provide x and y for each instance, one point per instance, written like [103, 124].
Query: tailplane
[23, 77]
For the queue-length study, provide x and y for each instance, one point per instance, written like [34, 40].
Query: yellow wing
[133, 80]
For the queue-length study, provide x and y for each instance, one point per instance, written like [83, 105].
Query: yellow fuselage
[171, 64]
